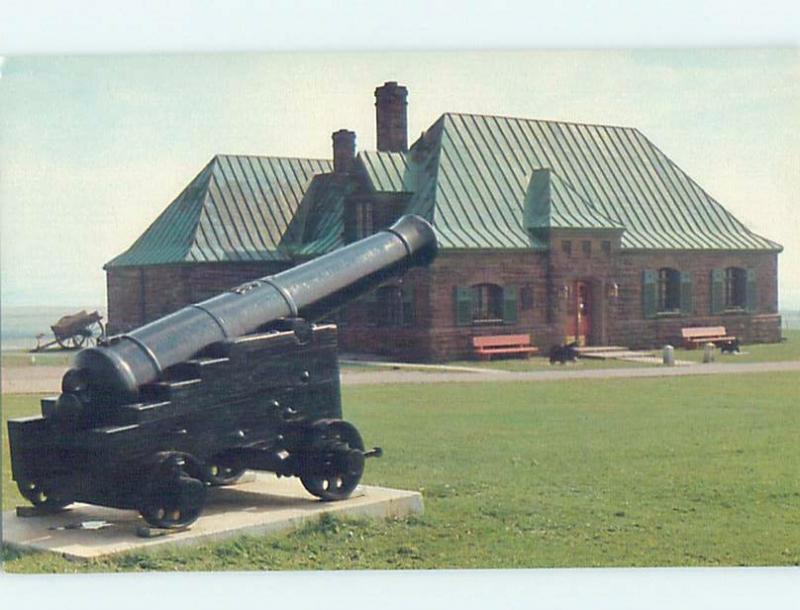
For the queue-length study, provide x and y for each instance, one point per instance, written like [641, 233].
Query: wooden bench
[488, 346]
[692, 337]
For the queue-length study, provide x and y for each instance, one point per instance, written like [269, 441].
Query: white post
[708, 353]
[668, 355]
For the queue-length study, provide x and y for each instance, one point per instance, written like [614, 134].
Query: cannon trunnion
[245, 380]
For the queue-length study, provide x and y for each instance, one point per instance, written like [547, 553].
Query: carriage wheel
[72, 341]
[96, 332]
[342, 450]
[41, 497]
[174, 495]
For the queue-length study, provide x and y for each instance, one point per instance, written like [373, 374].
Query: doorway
[579, 312]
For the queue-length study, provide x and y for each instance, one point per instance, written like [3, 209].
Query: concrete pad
[260, 506]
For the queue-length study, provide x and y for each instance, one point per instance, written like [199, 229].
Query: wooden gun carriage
[245, 380]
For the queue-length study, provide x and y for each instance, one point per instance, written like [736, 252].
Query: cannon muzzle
[112, 373]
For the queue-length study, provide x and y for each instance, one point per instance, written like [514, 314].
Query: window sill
[734, 311]
[669, 314]
[490, 322]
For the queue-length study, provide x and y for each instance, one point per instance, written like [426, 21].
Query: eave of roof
[237, 209]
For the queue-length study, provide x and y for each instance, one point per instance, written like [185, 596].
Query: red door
[579, 323]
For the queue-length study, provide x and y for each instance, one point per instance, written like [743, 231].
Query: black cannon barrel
[311, 290]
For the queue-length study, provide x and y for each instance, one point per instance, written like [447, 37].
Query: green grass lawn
[697, 471]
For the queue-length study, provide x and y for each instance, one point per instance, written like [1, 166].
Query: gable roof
[238, 208]
[484, 164]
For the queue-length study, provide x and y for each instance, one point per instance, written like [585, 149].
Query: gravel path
[31, 379]
[42, 379]
[567, 373]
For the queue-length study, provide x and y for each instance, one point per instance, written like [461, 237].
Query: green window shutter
[752, 291]
[687, 302]
[649, 293]
[510, 305]
[463, 300]
[409, 306]
[717, 290]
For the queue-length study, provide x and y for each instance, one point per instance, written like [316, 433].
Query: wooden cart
[71, 332]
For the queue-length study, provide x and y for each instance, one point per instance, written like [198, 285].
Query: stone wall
[358, 332]
[631, 329]
[618, 314]
[138, 295]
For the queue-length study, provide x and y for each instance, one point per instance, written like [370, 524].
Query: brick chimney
[390, 113]
[344, 151]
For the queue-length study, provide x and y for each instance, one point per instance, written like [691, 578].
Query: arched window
[487, 303]
[735, 288]
[669, 289]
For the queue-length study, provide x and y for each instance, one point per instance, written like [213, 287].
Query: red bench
[488, 346]
[692, 337]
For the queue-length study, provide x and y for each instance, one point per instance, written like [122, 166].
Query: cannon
[249, 379]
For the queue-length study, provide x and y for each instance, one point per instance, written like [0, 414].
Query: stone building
[558, 230]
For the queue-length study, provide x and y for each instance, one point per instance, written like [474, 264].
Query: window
[666, 292]
[669, 290]
[607, 247]
[394, 306]
[735, 288]
[586, 248]
[566, 247]
[487, 303]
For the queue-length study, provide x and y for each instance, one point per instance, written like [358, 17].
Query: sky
[93, 148]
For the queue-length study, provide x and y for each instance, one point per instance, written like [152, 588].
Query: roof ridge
[188, 216]
[283, 158]
[710, 198]
[533, 120]
[383, 152]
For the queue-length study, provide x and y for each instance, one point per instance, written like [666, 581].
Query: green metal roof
[551, 203]
[318, 226]
[238, 208]
[387, 171]
[483, 181]
[483, 169]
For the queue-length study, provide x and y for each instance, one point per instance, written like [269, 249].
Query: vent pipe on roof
[390, 113]
[344, 151]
